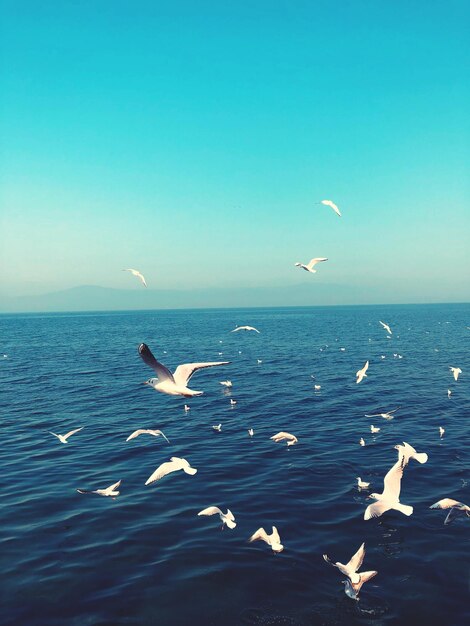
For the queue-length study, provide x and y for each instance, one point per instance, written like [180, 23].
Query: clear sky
[191, 140]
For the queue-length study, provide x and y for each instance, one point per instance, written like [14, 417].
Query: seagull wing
[229, 515]
[72, 432]
[164, 469]
[161, 371]
[392, 481]
[184, 372]
[115, 486]
[376, 509]
[155, 433]
[84, 491]
[141, 276]
[445, 503]
[452, 514]
[136, 433]
[275, 538]
[313, 262]
[363, 578]
[356, 560]
[260, 534]
[211, 510]
[332, 205]
[374, 414]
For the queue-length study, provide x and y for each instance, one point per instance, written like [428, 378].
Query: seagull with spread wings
[138, 274]
[390, 497]
[147, 431]
[173, 465]
[311, 264]
[455, 507]
[175, 384]
[63, 438]
[331, 204]
[109, 491]
[273, 540]
[227, 519]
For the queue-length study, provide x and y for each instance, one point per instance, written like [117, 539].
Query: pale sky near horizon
[191, 140]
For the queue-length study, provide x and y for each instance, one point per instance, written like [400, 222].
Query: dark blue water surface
[146, 557]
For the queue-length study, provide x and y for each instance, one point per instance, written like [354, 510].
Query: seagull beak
[145, 382]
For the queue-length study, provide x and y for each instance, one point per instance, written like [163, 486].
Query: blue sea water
[146, 557]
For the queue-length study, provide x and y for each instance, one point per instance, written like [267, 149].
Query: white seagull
[291, 439]
[360, 374]
[233, 402]
[272, 540]
[361, 484]
[362, 442]
[226, 383]
[317, 387]
[350, 568]
[454, 506]
[63, 438]
[449, 393]
[388, 415]
[218, 428]
[310, 265]
[251, 432]
[147, 431]
[244, 328]
[186, 408]
[175, 384]
[441, 431]
[390, 498]
[407, 452]
[227, 519]
[374, 429]
[173, 465]
[138, 274]
[386, 326]
[455, 371]
[109, 491]
[331, 204]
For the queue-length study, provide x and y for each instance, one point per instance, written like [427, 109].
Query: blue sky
[191, 140]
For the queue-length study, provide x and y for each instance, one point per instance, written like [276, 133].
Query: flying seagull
[332, 205]
[360, 374]
[351, 566]
[138, 274]
[227, 519]
[310, 265]
[390, 498]
[146, 431]
[291, 439]
[63, 438]
[272, 540]
[218, 428]
[109, 491]
[173, 384]
[388, 415]
[386, 326]
[454, 506]
[455, 371]
[226, 383]
[407, 452]
[173, 465]
[244, 328]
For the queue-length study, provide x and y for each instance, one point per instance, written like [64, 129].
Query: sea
[146, 557]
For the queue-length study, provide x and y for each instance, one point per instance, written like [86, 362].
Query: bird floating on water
[317, 387]
[407, 452]
[244, 328]
[109, 491]
[147, 431]
[310, 265]
[291, 439]
[186, 408]
[138, 274]
[331, 204]
[455, 371]
[361, 484]
[218, 428]
[360, 374]
[455, 507]
[251, 432]
[441, 431]
[227, 519]
[233, 402]
[390, 497]
[386, 326]
[374, 429]
[362, 442]
[173, 384]
[449, 393]
[273, 540]
[63, 438]
[173, 465]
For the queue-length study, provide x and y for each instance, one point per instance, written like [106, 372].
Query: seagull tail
[190, 470]
[404, 508]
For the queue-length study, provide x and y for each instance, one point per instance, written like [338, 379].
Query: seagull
[455, 371]
[233, 402]
[259, 361]
[454, 506]
[389, 499]
[138, 274]
[251, 432]
[109, 491]
[218, 428]
[386, 326]
[388, 415]
[317, 387]
[362, 442]
[332, 205]
[272, 540]
[173, 384]
[186, 408]
[146, 431]
[361, 484]
[352, 589]
[311, 264]
[441, 431]
[374, 429]
[226, 383]
[227, 518]
[407, 452]
[291, 439]
[63, 438]
[244, 328]
[360, 374]
[449, 393]
[351, 566]
[173, 465]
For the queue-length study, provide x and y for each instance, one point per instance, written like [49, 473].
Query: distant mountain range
[95, 298]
